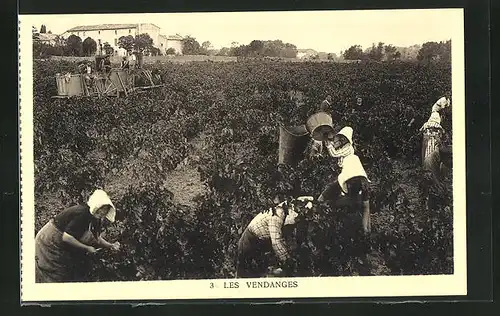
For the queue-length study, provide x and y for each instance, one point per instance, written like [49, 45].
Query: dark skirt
[56, 261]
[333, 192]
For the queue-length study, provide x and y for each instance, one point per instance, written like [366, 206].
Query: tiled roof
[102, 27]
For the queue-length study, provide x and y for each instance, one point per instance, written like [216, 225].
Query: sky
[325, 31]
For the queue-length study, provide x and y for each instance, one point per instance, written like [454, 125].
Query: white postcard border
[372, 286]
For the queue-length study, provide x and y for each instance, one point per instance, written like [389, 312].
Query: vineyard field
[188, 166]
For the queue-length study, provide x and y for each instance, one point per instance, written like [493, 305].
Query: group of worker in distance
[103, 63]
[76, 231]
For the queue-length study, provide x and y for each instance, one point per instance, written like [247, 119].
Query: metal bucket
[75, 85]
[293, 142]
[61, 85]
[320, 125]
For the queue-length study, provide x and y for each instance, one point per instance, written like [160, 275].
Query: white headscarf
[441, 104]
[99, 199]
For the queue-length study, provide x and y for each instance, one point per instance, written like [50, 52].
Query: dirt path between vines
[184, 181]
[375, 259]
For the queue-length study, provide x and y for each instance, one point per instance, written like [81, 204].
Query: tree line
[429, 51]
[256, 48]
[75, 46]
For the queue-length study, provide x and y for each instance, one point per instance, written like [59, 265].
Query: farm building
[175, 42]
[172, 41]
[110, 33]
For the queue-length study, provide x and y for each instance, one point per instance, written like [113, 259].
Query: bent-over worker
[352, 181]
[435, 155]
[76, 231]
[326, 104]
[265, 233]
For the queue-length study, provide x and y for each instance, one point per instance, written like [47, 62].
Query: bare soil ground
[184, 181]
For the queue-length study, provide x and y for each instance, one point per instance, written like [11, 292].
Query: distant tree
[43, 29]
[74, 45]
[397, 55]
[275, 48]
[390, 52]
[205, 48]
[190, 46]
[289, 51]
[34, 30]
[49, 32]
[429, 51]
[376, 52]
[354, 52]
[126, 42]
[224, 51]
[272, 48]
[55, 50]
[154, 51]
[59, 41]
[255, 48]
[206, 45]
[409, 53]
[108, 49]
[213, 52]
[38, 49]
[143, 43]
[237, 51]
[170, 51]
[331, 56]
[42, 50]
[89, 46]
[445, 51]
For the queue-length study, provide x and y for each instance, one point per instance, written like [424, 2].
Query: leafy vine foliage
[81, 144]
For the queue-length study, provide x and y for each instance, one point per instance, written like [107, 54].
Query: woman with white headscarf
[352, 181]
[71, 233]
[435, 155]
